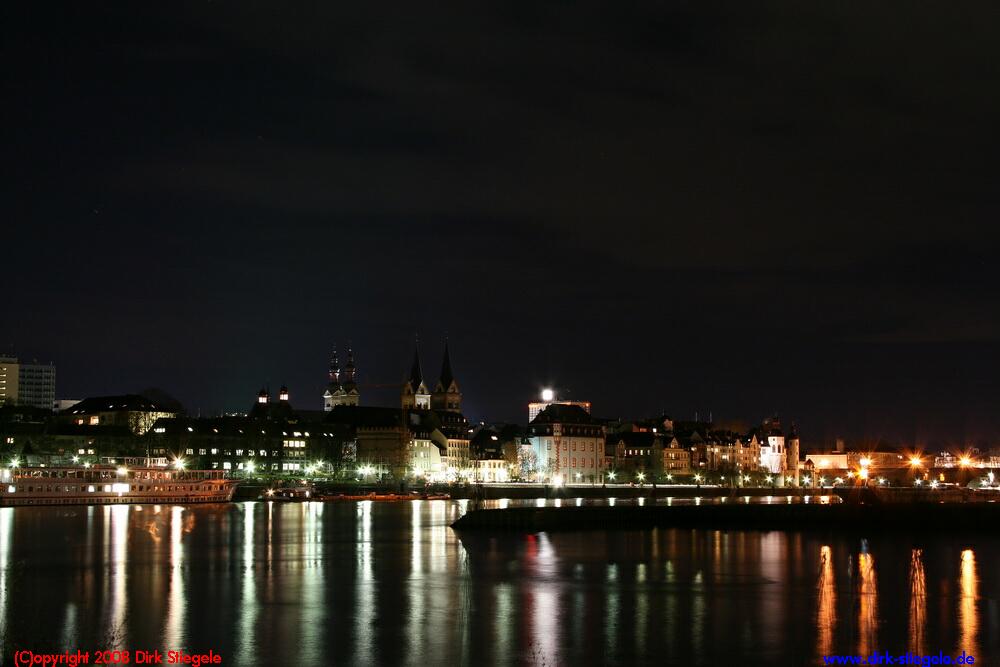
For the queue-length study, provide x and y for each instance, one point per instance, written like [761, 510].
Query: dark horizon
[720, 207]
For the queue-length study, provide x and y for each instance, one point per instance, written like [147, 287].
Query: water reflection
[392, 583]
[248, 588]
[867, 602]
[6, 541]
[968, 615]
[313, 617]
[118, 575]
[173, 635]
[826, 607]
[364, 594]
[918, 604]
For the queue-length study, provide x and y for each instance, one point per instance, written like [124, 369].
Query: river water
[391, 583]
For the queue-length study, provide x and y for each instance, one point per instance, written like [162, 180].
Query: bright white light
[557, 480]
[611, 476]
[865, 461]
[122, 470]
[119, 488]
[548, 395]
[251, 466]
[179, 464]
[76, 459]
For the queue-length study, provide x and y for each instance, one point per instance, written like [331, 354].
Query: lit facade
[567, 445]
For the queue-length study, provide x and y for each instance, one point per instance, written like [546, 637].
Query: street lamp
[179, 463]
[611, 475]
[669, 477]
[641, 476]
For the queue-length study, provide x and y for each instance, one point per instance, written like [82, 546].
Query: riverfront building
[567, 444]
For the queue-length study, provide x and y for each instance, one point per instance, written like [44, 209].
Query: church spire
[447, 395]
[447, 377]
[416, 375]
[349, 369]
[334, 367]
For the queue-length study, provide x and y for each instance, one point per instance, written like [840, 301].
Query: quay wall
[919, 517]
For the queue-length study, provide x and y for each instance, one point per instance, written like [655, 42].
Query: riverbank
[254, 490]
[975, 517]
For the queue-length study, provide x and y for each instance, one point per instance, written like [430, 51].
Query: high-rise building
[31, 384]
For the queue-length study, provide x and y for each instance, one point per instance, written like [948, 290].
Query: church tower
[342, 388]
[415, 393]
[334, 382]
[349, 387]
[447, 395]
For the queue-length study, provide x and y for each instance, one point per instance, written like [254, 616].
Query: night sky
[737, 207]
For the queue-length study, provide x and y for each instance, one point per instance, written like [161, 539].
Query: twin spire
[349, 371]
[343, 388]
[446, 394]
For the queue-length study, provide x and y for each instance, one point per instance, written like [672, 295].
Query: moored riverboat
[112, 485]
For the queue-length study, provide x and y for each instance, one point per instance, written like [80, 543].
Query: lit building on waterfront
[567, 444]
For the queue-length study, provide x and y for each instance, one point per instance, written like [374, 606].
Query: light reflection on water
[918, 604]
[391, 583]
